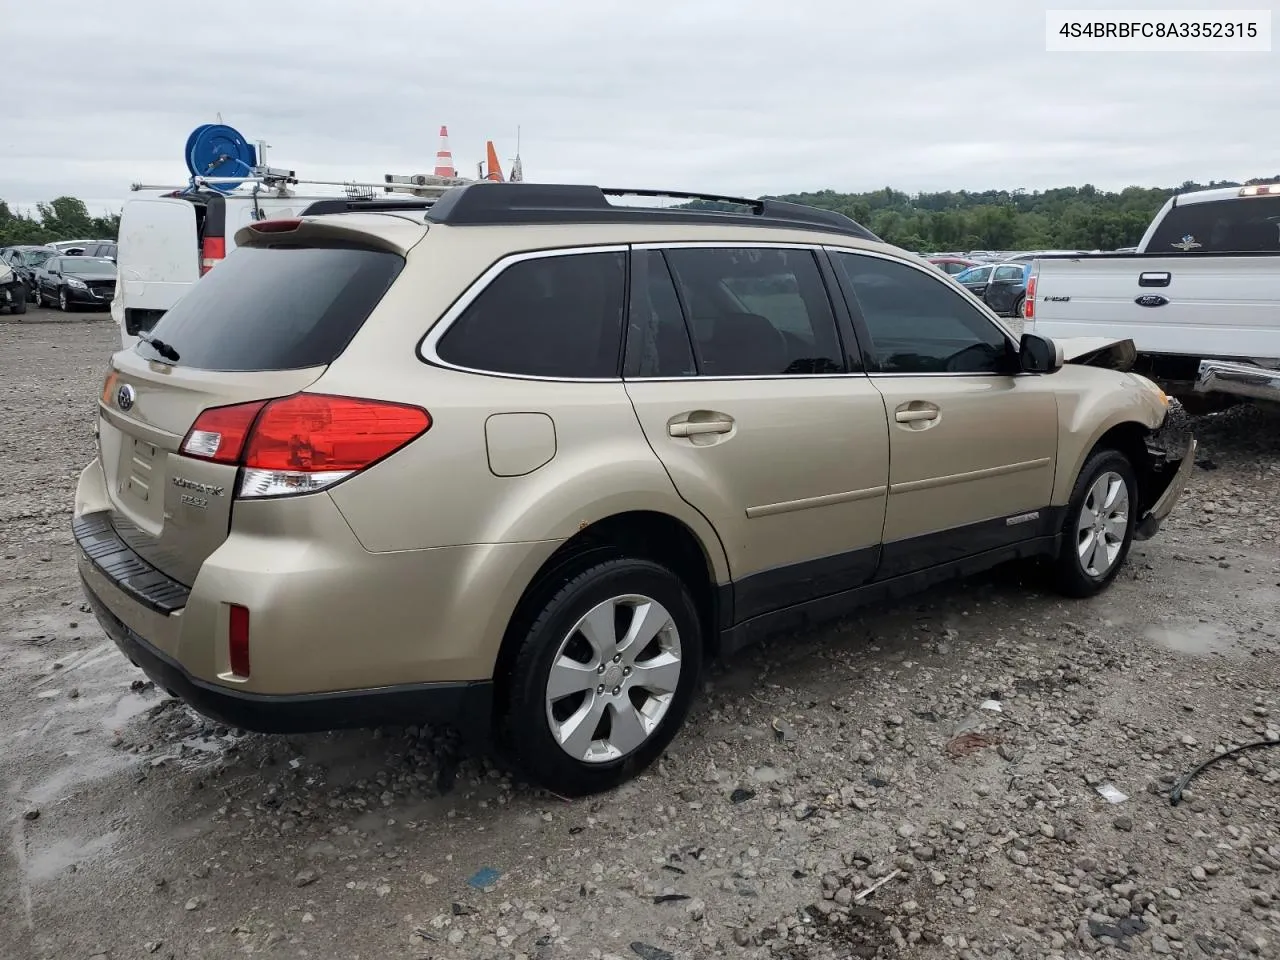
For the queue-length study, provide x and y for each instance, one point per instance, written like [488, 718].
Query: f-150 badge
[1188, 242]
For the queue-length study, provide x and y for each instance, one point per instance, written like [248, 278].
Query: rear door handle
[694, 428]
[915, 415]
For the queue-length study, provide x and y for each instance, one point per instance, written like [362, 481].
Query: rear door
[738, 375]
[157, 260]
[264, 324]
[1005, 286]
[973, 443]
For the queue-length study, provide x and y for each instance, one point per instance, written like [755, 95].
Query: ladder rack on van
[416, 185]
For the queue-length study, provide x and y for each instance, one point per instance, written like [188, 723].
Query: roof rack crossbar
[539, 203]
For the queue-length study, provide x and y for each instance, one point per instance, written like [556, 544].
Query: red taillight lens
[220, 432]
[211, 251]
[1029, 305]
[238, 639]
[305, 442]
[282, 225]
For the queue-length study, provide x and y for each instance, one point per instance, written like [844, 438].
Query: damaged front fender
[1171, 455]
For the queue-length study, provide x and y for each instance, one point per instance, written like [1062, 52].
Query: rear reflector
[220, 432]
[305, 442]
[238, 639]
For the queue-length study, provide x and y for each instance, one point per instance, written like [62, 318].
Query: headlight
[78, 284]
[1153, 387]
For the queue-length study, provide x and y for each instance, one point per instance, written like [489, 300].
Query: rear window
[276, 308]
[1245, 225]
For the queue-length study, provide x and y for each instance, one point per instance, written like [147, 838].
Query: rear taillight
[211, 251]
[238, 639]
[220, 432]
[1029, 304]
[303, 443]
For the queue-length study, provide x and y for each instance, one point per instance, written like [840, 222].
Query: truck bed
[1195, 305]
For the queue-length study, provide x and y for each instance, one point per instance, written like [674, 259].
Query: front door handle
[915, 414]
[694, 428]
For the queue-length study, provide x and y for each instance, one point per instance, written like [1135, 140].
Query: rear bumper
[1238, 379]
[467, 706]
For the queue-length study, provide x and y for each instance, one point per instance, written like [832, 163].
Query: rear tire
[1099, 525]
[19, 302]
[587, 710]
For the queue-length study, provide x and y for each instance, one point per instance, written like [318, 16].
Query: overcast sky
[731, 96]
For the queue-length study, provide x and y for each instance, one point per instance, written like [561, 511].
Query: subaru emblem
[125, 397]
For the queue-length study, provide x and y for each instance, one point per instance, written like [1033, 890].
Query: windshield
[34, 258]
[89, 266]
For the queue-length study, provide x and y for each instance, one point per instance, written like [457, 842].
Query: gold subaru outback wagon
[521, 459]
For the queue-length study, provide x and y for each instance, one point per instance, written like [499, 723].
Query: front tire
[63, 303]
[18, 304]
[1098, 529]
[604, 677]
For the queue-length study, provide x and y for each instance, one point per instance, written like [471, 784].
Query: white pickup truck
[1200, 298]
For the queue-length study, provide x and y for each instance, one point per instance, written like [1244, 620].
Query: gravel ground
[840, 793]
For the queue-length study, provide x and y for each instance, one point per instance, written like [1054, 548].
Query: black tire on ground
[34, 295]
[19, 302]
[64, 304]
[1070, 574]
[527, 734]
[1017, 307]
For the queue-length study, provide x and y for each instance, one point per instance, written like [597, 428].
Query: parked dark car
[72, 281]
[24, 259]
[1001, 286]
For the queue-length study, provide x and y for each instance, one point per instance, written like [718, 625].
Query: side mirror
[1037, 354]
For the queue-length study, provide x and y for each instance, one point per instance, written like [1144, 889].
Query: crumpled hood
[1098, 352]
[6, 273]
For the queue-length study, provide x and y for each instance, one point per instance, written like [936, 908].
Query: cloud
[731, 96]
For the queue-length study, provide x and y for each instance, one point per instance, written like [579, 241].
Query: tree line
[65, 218]
[1072, 218]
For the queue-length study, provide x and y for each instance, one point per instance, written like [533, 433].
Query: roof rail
[544, 203]
[366, 204]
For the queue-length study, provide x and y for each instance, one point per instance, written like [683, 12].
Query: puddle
[1200, 640]
[127, 707]
[46, 863]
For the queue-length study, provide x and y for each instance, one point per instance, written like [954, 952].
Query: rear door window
[1244, 225]
[547, 316]
[756, 311]
[282, 307]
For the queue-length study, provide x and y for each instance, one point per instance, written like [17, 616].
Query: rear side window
[550, 316]
[276, 308]
[658, 342]
[756, 311]
[1245, 225]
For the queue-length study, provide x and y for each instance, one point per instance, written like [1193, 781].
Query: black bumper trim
[117, 562]
[467, 706]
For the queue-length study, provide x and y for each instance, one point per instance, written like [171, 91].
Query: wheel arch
[648, 534]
